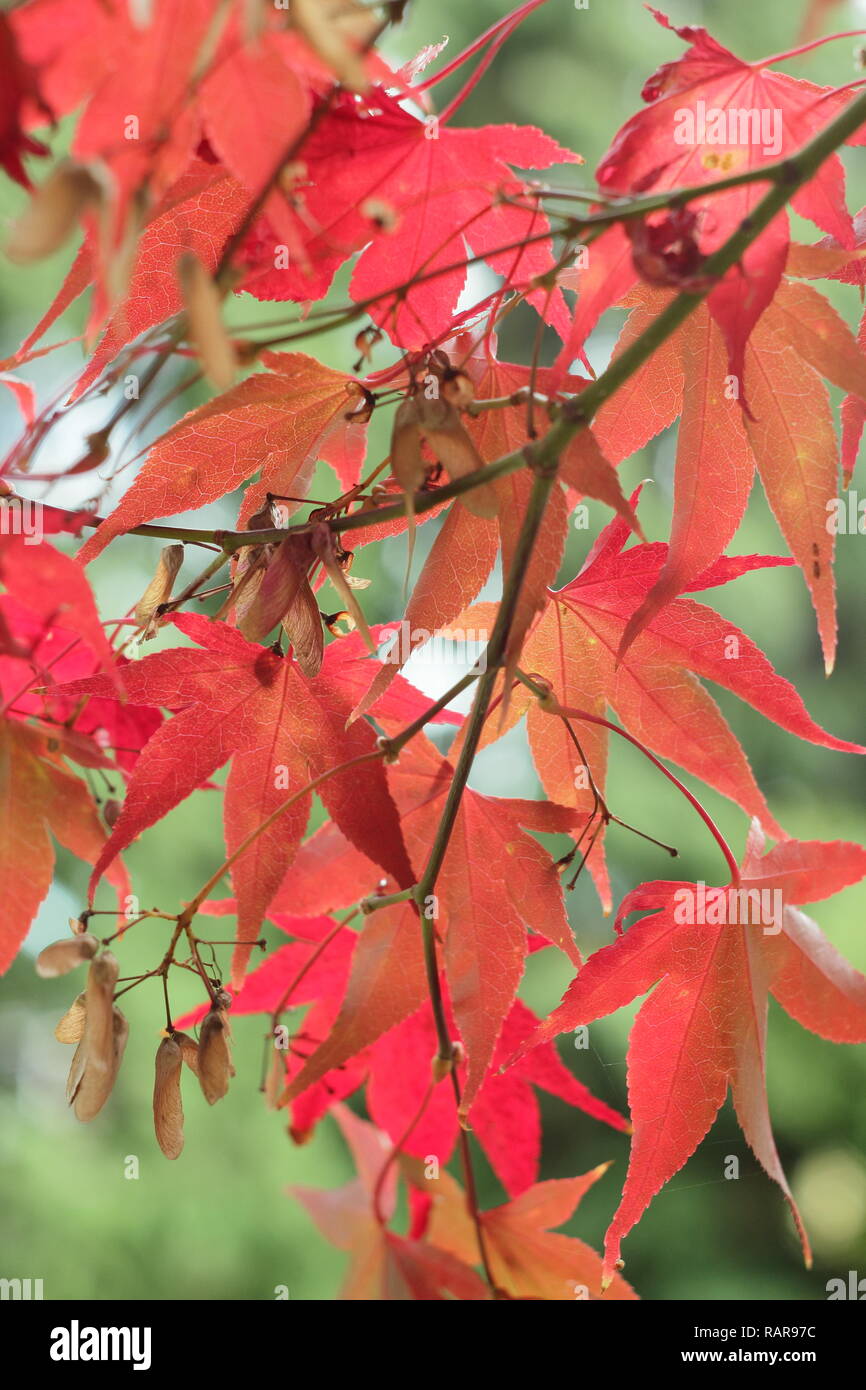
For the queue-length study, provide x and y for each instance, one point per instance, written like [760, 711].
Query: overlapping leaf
[235, 700]
[711, 957]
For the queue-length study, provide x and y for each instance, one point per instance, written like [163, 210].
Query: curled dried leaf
[62, 956]
[215, 1068]
[167, 1103]
[207, 330]
[52, 212]
[70, 1029]
[159, 589]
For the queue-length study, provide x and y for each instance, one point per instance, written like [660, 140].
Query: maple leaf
[527, 1259]
[39, 796]
[437, 189]
[53, 588]
[35, 654]
[652, 688]
[236, 700]
[383, 1265]
[479, 910]
[70, 45]
[280, 421]
[315, 969]
[463, 554]
[149, 75]
[195, 215]
[18, 86]
[505, 1117]
[255, 107]
[711, 957]
[678, 142]
[789, 436]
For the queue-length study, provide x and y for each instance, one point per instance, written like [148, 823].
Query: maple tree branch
[376, 901]
[396, 1150]
[304, 970]
[393, 745]
[471, 1193]
[578, 411]
[542, 485]
[543, 458]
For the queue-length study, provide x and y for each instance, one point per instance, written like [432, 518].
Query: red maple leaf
[235, 700]
[790, 436]
[435, 190]
[703, 120]
[383, 1264]
[711, 956]
[315, 970]
[652, 689]
[18, 86]
[252, 427]
[527, 1259]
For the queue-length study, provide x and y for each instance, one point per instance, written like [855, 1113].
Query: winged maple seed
[271, 152]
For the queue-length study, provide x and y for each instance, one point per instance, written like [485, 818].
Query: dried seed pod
[189, 1050]
[53, 210]
[204, 309]
[302, 624]
[98, 1038]
[111, 810]
[446, 434]
[159, 589]
[275, 1081]
[407, 465]
[91, 1089]
[263, 519]
[214, 1056]
[457, 387]
[70, 1029]
[76, 1072]
[62, 956]
[167, 1104]
[324, 547]
[283, 588]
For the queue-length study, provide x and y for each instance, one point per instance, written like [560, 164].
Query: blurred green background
[217, 1224]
